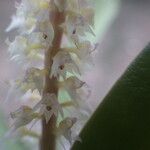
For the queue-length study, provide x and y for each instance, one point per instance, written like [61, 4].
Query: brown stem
[48, 138]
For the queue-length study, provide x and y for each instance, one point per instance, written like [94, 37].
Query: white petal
[15, 23]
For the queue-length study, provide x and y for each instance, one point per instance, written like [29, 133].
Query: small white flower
[88, 13]
[27, 48]
[32, 80]
[47, 29]
[29, 12]
[74, 6]
[25, 25]
[83, 52]
[72, 85]
[64, 129]
[49, 106]
[38, 40]
[17, 47]
[62, 62]
[22, 116]
[76, 27]
[21, 111]
[15, 23]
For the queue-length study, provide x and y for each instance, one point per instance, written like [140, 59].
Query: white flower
[29, 13]
[21, 111]
[83, 52]
[67, 5]
[88, 13]
[27, 48]
[32, 80]
[17, 47]
[38, 40]
[62, 62]
[72, 85]
[23, 116]
[79, 18]
[76, 26]
[33, 7]
[72, 5]
[47, 29]
[25, 25]
[49, 106]
[64, 129]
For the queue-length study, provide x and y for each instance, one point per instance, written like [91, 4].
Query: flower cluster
[36, 33]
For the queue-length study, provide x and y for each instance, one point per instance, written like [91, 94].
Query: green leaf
[122, 121]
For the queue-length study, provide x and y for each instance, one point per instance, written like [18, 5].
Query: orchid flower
[83, 52]
[78, 23]
[27, 48]
[29, 13]
[32, 80]
[23, 116]
[62, 62]
[72, 85]
[49, 106]
[64, 128]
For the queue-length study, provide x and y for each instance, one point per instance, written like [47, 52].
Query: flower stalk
[48, 137]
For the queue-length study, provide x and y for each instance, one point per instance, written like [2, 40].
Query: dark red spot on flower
[61, 67]
[74, 31]
[45, 36]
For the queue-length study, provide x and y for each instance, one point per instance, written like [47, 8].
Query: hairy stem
[48, 141]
